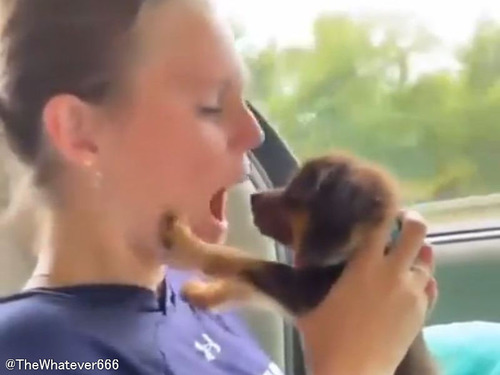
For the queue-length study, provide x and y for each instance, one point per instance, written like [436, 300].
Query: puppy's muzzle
[271, 216]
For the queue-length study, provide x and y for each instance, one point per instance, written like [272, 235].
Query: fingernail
[426, 254]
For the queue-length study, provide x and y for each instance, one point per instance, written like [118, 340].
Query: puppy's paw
[199, 294]
[168, 224]
[171, 230]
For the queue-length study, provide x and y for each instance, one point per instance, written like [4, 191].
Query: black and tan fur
[327, 212]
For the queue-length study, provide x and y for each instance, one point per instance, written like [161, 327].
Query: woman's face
[183, 132]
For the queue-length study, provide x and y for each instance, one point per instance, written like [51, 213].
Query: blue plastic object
[469, 348]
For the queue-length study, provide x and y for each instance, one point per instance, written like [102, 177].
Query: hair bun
[22, 137]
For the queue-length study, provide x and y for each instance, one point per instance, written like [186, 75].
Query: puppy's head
[327, 208]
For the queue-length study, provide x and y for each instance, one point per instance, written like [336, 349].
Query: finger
[432, 292]
[410, 240]
[424, 283]
[421, 274]
[426, 257]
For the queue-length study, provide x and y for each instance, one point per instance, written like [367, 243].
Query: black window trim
[274, 163]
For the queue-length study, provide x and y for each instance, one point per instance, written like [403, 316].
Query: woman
[126, 108]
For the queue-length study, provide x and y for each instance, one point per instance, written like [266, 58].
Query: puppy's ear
[306, 184]
[379, 193]
[362, 195]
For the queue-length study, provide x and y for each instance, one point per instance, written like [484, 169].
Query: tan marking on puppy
[222, 294]
[185, 250]
[216, 293]
[299, 223]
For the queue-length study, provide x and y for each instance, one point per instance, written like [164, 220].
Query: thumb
[371, 248]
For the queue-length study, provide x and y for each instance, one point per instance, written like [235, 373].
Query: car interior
[468, 260]
[415, 85]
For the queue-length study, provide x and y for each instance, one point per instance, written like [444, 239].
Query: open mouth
[218, 202]
[218, 205]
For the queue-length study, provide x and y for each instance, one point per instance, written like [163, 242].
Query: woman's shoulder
[25, 310]
[32, 324]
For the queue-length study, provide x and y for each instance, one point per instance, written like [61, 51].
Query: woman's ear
[72, 128]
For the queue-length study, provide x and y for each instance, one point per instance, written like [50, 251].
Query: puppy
[327, 212]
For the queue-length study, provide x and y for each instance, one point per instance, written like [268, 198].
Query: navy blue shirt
[113, 329]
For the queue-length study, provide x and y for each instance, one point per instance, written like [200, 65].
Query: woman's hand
[376, 309]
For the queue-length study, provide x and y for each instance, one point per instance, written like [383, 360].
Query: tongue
[218, 205]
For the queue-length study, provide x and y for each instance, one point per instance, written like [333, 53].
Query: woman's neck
[79, 248]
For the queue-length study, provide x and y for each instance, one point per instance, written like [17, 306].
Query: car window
[412, 85]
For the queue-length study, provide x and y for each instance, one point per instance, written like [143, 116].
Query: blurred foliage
[356, 88]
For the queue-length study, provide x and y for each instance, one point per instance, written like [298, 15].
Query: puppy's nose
[255, 199]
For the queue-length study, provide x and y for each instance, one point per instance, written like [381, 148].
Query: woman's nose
[250, 134]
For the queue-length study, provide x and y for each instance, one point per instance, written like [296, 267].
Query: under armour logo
[209, 348]
[273, 370]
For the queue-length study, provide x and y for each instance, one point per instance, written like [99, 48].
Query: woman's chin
[211, 230]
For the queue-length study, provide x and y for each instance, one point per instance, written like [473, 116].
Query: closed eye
[210, 111]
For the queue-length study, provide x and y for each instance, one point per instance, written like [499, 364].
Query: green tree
[354, 88]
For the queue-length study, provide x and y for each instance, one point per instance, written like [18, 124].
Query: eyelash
[211, 111]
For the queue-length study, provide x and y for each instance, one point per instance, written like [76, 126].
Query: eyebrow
[241, 78]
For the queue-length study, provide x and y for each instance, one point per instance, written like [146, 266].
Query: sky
[289, 21]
